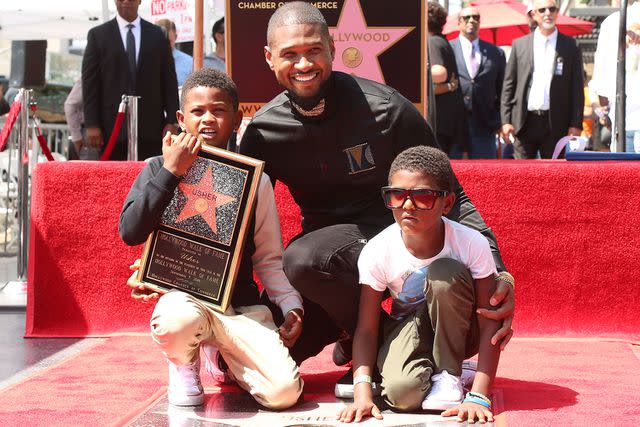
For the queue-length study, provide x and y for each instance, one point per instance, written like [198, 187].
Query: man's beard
[309, 102]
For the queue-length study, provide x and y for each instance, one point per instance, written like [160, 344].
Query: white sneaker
[185, 388]
[446, 392]
[469, 368]
[213, 363]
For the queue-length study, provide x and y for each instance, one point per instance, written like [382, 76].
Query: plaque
[197, 247]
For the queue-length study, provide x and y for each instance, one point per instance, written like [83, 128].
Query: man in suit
[542, 94]
[129, 55]
[480, 72]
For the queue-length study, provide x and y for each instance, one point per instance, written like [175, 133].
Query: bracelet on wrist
[506, 277]
[477, 401]
[362, 379]
[479, 396]
[449, 87]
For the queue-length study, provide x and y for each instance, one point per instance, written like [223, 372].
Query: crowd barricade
[50, 138]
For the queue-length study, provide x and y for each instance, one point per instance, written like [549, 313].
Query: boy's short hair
[208, 77]
[427, 160]
[297, 13]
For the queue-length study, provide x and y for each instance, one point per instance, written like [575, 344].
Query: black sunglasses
[466, 18]
[551, 9]
[421, 198]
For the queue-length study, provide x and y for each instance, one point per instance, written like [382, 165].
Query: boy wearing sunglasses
[439, 273]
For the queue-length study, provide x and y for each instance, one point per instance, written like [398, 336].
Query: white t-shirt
[385, 263]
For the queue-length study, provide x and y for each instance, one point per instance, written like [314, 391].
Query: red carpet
[567, 230]
[541, 382]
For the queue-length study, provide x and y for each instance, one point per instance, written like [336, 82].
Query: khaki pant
[249, 343]
[437, 337]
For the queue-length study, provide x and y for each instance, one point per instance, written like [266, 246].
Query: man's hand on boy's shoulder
[179, 152]
[138, 290]
[504, 300]
[291, 328]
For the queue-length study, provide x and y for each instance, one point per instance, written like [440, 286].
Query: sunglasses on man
[551, 9]
[466, 18]
[421, 198]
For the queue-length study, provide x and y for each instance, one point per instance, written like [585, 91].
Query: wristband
[362, 379]
[506, 277]
[477, 401]
[479, 396]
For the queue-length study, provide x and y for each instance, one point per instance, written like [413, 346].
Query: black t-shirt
[336, 163]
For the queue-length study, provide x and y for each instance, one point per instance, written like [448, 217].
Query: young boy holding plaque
[247, 346]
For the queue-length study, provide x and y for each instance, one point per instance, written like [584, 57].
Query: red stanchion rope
[43, 142]
[8, 125]
[116, 130]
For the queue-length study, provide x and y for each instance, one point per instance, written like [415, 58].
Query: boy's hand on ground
[291, 328]
[358, 410]
[504, 299]
[469, 412]
[179, 152]
[138, 290]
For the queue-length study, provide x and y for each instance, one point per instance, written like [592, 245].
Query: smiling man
[542, 93]
[331, 138]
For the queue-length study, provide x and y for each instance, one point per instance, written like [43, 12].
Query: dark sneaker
[342, 350]
[344, 386]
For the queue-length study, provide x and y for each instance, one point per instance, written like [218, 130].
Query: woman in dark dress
[451, 127]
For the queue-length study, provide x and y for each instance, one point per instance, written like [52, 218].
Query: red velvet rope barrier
[8, 125]
[114, 133]
[43, 143]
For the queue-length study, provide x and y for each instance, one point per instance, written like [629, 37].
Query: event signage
[181, 12]
[198, 245]
[372, 40]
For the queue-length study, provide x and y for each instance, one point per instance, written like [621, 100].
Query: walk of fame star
[203, 200]
[358, 45]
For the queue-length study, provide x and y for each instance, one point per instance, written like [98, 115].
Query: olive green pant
[437, 337]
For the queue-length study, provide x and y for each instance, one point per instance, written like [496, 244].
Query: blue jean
[632, 143]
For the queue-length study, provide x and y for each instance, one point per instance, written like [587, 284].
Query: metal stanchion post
[132, 127]
[19, 286]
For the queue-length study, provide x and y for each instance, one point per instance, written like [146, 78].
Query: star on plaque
[203, 200]
[358, 45]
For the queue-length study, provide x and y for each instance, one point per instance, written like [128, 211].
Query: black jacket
[336, 163]
[482, 93]
[106, 77]
[566, 103]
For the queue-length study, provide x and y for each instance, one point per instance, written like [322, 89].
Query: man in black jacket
[331, 138]
[480, 73]
[543, 90]
[131, 56]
